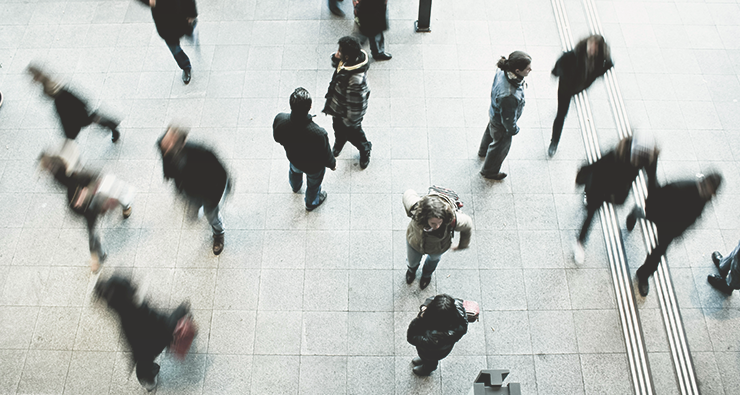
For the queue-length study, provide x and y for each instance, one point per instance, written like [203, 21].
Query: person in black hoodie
[610, 178]
[174, 19]
[372, 18]
[346, 99]
[673, 208]
[198, 175]
[147, 331]
[439, 325]
[577, 70]
[307, 147]
[72, 111]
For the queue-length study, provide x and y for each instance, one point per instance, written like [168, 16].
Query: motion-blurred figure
[729, 272]
[577, 70]
[439, 325]
[307, 147]
[147, 331]
[372, 18]
[174, 19]
[72, 110]
[198, 175]
[609, 179]
[89, 195]
[673, 208]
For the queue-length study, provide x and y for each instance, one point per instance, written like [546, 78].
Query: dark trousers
[665, 237]
[354, 134]
[431, 358]
[146, 369]
[590, 211]
[182, 59]
[495, 145]
[313, 183]
[563, 104]
[377, 43]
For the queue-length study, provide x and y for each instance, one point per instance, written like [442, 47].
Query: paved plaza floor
[316, 303]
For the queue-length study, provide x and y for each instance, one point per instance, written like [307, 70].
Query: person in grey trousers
[728, 279]
[507, 103]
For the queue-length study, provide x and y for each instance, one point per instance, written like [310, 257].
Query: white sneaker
[579, 254]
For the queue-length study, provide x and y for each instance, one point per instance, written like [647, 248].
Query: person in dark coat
[307, 147]
[72, 110]
[434, 332]
[175, 19]
[728, 279]
[673, 208]
[86, 199]
[334, 8]
[372, 18]
[198, 175]
[610, 178]
[147, 331]
[577, 70]
[346, 99]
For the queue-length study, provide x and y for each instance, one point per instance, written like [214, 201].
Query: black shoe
[631, 221]
[417, 361]
[322, 197]
[410, 276]
[421, 371]
[643, 286]
[336, 11]
[218, 244]
[365, 155]
[716, 258]
[337, 149]
[382, 56]
[116, 135]
[719, 284]
[498, 176]
[186, 74]
[482, 156]
[424, 282]
[551, 151]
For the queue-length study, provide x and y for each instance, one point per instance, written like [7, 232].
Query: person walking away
[577, 70]
[435, 330]
[507, 104]
[372, 19]
[346, 99]
[306, 146]
[175, 19]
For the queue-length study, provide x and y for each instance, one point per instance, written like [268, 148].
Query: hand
[190, 20]
[336, 55]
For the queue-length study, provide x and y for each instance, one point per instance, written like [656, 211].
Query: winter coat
[507, 103]
[574, 73]
[198, 173]
[674, 207]
[436, 343]
[72, 113]
[171, 17]
[610, 178]
[372, 16]
[440, 241]
[348, 92]
[306, 143]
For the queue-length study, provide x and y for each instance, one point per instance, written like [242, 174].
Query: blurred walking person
[198, 175]
[72, 110]
[372, 19]
[507, 104]
[175, 19]
[729, 272]
[346, 99]
[673, 208]
[577, 70]
[435, 330]
[307, 147]
[610, 178]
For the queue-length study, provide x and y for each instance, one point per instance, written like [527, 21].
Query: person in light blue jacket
[507, 103]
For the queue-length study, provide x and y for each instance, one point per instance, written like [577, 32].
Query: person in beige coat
[434, 220]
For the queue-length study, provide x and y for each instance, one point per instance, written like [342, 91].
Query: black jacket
[171, 17]
[436, 343]
[306, 143]
[198, 173]
[72, 113]
[574, 73]
[74, 182]
[610, 178]
[674, 207]
[372, 17]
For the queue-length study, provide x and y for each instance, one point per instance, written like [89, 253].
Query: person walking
[728, 279]
[435, 330]
[334, 8]
[175, 19]
[198, 175]
[610, 178]
[346, 99]
[673, 208]
[72, 111]
[577, 70]
[306, 146]
[434, 220]
[507, 103]
[372, 19]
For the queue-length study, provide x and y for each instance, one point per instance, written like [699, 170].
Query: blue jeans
[313, 183]
[414, 259]
[182, 60]
[729, 269]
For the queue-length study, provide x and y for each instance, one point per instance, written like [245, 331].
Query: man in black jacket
[673, 208]
[174, 19]
[307, 147]
[198, 175]
[372, 18]
[346, 99]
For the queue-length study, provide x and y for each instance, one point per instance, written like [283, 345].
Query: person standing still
[346, 99]
[507, 103]
[174, 19]
[306, 146]
[372, 19]
[729, 272]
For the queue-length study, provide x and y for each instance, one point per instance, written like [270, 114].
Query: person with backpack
[439, 325]
[434, 220]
